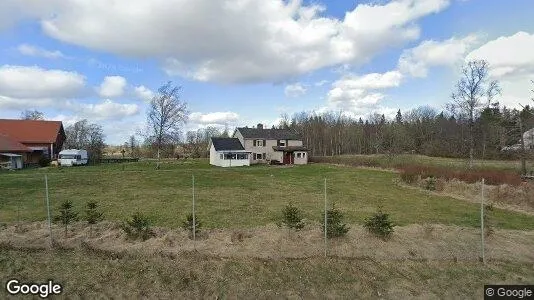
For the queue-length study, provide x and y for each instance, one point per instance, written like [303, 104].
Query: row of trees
[472, 124]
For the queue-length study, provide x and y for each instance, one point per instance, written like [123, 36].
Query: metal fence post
[48, 211]
[482, 221]
[194, 219]
[325, 220]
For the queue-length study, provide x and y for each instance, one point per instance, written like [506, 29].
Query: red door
[287, 158]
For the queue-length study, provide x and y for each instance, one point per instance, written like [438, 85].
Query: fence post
[194, 219]
[325, 220]
[48, 211]
[482, 221]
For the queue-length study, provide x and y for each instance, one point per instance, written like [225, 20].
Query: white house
[272, 145]
[228, 152]
[528, 137]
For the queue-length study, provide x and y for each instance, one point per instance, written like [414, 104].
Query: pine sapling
[92, 215]
[67, 215]
[292, 217]
[187, 224]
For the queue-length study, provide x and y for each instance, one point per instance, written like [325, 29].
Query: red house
[32, 139]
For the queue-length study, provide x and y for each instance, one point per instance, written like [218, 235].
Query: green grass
[233, 197]
[87, 274]
[391, 161]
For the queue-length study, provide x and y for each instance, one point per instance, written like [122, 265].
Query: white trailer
[72, 157]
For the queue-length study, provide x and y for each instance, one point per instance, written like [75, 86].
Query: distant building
[228, 152]
[272, 145]
[31, 139]
[528, 136]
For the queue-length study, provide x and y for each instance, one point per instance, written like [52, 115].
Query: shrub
[188, 225]
[379, 224]
[334, 224]
[430, 184]
[138, 227]
[44, 162]
[92, 215]
[66, 214]
[292, 217]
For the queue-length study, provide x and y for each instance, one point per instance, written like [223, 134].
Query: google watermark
[509, 292]
[14, 287]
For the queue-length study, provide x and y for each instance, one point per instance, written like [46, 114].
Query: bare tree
[84, 135]
[472, 87]
[32, 115]
[166, 116]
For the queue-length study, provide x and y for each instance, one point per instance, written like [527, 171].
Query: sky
[243, 62]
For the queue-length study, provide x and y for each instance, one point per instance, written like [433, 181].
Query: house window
[242, 156]
[230, 156]
[299, 155]
[303, 154]
[282, 143]
[222, 156]
[260, 156]
[259, 143]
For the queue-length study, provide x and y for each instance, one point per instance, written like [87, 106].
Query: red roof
[30, 131]
[9, 145]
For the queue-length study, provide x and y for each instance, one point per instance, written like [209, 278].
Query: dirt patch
[413, 242]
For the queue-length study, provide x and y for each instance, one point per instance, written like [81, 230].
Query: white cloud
[143, 93]
[244, 40]
[220, 118]
[358, 95]
[321, 83]
[105, 110]
[295, 90]
[30, 50]
[509, 56]
[112, 86]
[37, 83]
[451, 52]
[511, 62]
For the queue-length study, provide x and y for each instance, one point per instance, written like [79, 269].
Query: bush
[380, 225]
[138, 227]
[430, 184]
[66, 214]
[334, 224]
[44, 162]
[92, 215]
[292, 217]
[188, 225]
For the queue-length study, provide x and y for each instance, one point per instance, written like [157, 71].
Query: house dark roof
[223, 144]
[9, 145]
[31, 131]
[290, 148]
[268, 134]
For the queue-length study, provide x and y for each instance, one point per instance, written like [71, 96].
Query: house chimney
[260, 126]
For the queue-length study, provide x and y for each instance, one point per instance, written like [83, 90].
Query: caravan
[72, 157]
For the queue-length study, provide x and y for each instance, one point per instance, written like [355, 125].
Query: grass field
[234, 197]
[85, 274]
[392, 161]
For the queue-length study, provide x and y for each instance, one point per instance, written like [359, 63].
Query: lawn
[392, 161]
[234, 197]
[85, 274]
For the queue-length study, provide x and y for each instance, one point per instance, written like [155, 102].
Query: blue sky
[241, 62]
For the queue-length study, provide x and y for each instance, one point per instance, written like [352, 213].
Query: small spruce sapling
[67, 215]
[187, 224]
[92, 215]
[334, 223]
[292, 217]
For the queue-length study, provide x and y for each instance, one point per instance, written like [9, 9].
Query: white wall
[215, 159]
[303, 158]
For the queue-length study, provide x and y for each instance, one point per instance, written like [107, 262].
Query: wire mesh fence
[238, 213]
